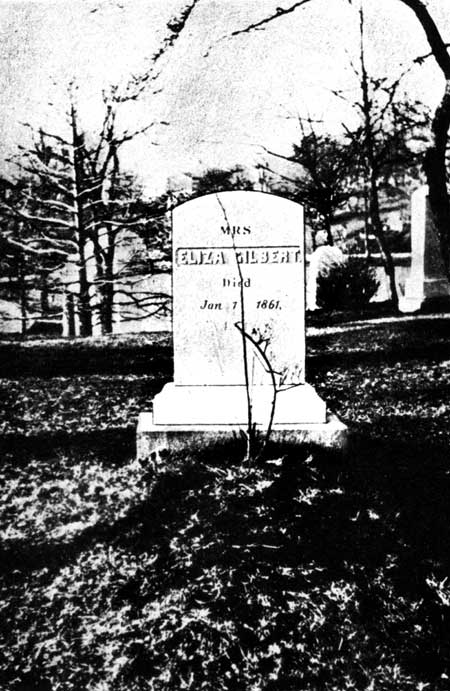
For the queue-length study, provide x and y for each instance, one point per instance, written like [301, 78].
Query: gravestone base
[154, 439]
[417, 296]
[186, 417]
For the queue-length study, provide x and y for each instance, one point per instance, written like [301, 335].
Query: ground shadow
[78, 358]
[109, 446]
[382, 509]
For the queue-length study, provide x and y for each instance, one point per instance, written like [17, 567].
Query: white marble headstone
[238, 267]
[218, 241]
[428, 278]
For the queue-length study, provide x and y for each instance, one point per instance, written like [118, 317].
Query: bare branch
[57, 138]
[60, 241]
[260, 349]
[291, 158]
[52, 202]
[280, 175]
[391, 90]
[421, 58]
[47, 173]
[437, 45]
[127, 136]
[88, 190]
[138, 83]
[37, 250]
[259, 26]
[42, 219]
[124, 224]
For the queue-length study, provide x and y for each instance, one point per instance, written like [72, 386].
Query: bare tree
[17, 272]
[59, 207]
[256, 342]
[382, 143]
[326, 179]
[142, 233]
[435, 160]
[82, 201]
[80, 208]
[435, 163]
[44, 219]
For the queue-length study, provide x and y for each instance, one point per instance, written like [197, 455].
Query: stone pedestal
[154, 439]
[427, 280]
[189, 416]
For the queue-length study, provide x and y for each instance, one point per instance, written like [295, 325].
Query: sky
[225, 98]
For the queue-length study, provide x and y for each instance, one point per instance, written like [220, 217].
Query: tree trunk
[435, 167]
[327, 222]
[377, 229]
[23, 300]
[104, 263]
[44, 295]
[366, 223]
[108, 298]
[99, 278]
[69, 309]
[436, 172]
[372, 169]
[84, 299]
[109, 292]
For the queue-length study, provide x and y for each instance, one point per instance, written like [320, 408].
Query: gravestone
[427, 279]
[238, 316]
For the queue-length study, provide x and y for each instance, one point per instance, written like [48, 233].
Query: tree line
[71, 210]
[435, 159]
[66, 216]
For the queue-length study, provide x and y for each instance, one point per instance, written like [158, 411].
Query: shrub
[350, 284]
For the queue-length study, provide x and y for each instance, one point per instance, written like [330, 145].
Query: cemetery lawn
[307, 572]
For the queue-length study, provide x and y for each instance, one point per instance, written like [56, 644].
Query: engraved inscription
[235, 283]
[266, 304]
[235, 230]
[202, 256]
[211, 305]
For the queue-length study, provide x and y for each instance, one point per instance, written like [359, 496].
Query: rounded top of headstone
[239, 217]
[250, 195]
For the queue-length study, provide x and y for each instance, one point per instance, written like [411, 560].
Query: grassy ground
[303, 573]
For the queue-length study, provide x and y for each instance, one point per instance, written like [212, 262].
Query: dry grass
[306, 572]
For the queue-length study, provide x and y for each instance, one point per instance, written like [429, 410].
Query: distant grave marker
[427, 279]
[238, 265]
